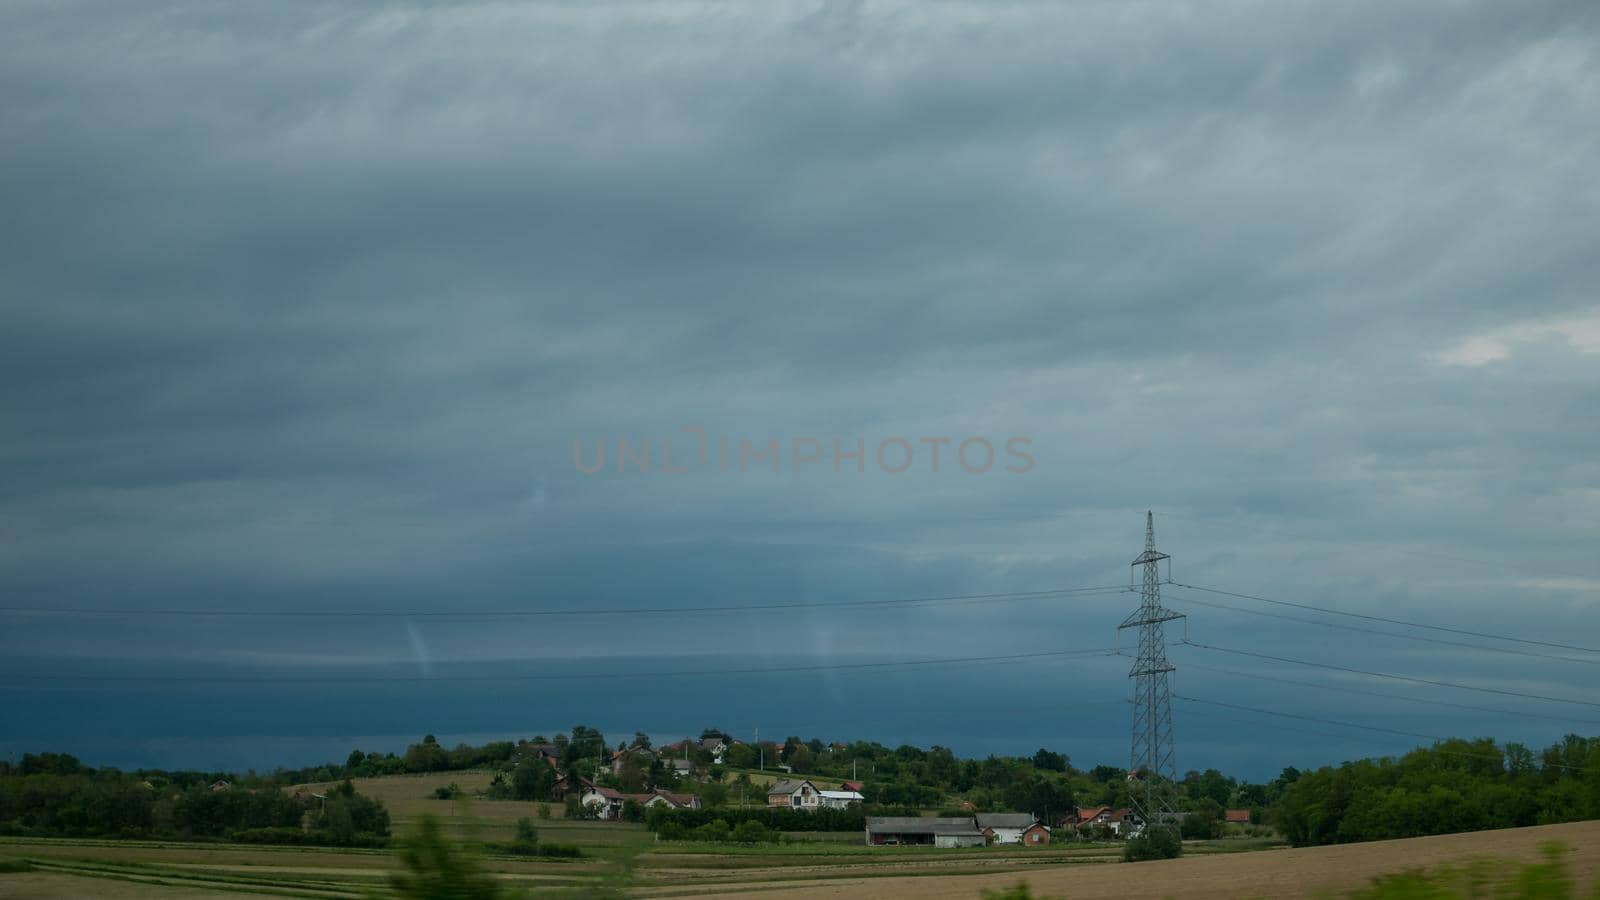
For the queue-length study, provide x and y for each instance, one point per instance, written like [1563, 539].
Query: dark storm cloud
[304, 308]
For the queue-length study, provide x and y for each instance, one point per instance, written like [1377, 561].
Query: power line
[537, 613]
[1357, 725]
[1408, 637]
[1279, 679]
[1385, 545]
[681, 673]
[1306, 718]
[1372, 618]
[1411, 678]
[1214, 716]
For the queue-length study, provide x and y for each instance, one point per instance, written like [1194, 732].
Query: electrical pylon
[1151, 770]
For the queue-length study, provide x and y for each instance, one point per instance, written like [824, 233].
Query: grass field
[625, 860]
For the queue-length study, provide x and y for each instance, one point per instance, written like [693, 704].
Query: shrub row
[774, 818]
[300, 837]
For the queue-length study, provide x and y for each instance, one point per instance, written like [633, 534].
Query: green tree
[1203, 820]
[532, 780]
[632, 776]
[741, 756]
[427, 756]
[1049, 761]
[714, 795]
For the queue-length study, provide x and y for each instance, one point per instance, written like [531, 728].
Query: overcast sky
[313, 307]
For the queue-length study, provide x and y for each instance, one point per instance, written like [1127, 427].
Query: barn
[914, 831]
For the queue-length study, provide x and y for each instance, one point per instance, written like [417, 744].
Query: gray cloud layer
[304, 307]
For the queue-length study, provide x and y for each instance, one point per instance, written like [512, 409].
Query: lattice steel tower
[1151, 763]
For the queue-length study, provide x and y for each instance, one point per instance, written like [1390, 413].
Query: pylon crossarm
[1139, 618]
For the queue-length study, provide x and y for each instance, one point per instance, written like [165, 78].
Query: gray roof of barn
[919, 825]
[1005, 820]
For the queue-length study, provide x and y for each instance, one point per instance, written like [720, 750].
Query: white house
[604, 802]
[1004, 828]
[838, 799]
[794, 794]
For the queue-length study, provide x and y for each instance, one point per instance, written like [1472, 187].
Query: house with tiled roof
[607, 803]
[794, 794]
[1122, 821]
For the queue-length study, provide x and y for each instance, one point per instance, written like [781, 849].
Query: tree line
[1454, 785]
[54, 795]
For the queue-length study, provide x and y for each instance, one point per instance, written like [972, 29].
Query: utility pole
[761, 752]
[1151, 744]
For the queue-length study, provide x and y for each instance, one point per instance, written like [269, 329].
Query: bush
[1154, 842]
[714, 831]
[299, 837]
[447, 792]
[526, 841]
[435, 867]
[560, 851]
[751, 832]
[12, 866]
[526, 833]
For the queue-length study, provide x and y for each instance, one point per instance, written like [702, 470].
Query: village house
[1036, 835]
[794, 794]
[604, 802]
[1121, 821]
[1004, 828]
[1236, 816]
[659, 797]
[717, 747]
[607, 803]
[643, 755]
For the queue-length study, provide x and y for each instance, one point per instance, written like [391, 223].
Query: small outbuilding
[838, 799]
